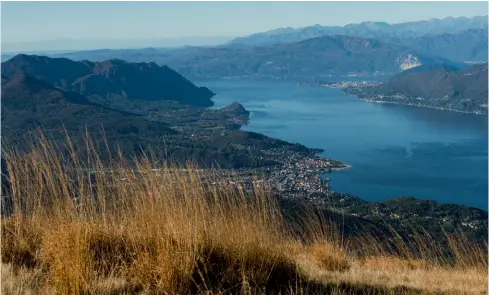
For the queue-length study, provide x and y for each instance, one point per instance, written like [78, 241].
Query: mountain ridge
[110, 79]
[324, 56]
[307, 59]
[363, 29]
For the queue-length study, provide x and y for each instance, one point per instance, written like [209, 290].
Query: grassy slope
[171, 232]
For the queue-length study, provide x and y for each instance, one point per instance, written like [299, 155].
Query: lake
[394, 150]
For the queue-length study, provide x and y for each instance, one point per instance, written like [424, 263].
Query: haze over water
[394, 150]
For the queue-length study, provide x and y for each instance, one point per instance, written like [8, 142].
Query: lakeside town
[292, 171]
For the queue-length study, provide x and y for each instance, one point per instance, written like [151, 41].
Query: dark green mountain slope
[29, 103]
[110, 80]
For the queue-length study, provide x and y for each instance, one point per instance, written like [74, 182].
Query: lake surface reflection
[394, 150]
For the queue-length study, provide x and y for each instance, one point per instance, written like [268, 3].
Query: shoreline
[347, 166]
[408, 104]
[317, 153]
[339, 165]
[420, 106]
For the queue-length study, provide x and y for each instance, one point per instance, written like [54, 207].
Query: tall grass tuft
[79, 224]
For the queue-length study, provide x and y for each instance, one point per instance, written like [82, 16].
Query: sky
[41, 21]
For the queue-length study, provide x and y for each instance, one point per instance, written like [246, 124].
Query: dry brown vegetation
[128, 229]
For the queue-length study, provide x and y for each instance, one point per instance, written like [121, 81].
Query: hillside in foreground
[76, 225]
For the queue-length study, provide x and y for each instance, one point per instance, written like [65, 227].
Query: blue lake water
[394, 150]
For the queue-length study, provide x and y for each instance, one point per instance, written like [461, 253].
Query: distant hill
[93, 43]
[158, 55]
[111, 79]
[463, 90]
[131, 55]
[365, 29]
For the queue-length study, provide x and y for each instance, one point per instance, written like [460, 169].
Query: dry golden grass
[393, 272]
[128, 229]
[21, 281]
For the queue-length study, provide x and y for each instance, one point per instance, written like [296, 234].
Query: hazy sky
[34, 21]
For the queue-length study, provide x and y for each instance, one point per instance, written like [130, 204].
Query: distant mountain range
[68, 44]
[110, 80]
[464, 46]
[436, 86]
[366, 30]
[316, 52]
[309, 59]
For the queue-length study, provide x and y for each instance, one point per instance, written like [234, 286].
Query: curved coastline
[338, 104]
[347, 166]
